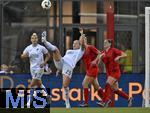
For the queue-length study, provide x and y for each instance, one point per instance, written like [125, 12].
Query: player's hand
[57, 73]
[43, 35]
[81, 30]
[93, 63]
[42, 65]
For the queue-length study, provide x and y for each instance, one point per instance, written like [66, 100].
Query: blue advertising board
[132, 84]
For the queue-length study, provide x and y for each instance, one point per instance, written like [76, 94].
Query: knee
[97, 87]
[84, 84]
[32, 84]
[111, 84]
[115, 88]
[56, 50]
[65, 85]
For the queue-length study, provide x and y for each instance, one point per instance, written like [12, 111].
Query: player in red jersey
[110, 57]
[89, 56]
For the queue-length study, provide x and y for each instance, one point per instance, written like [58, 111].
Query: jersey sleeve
[80, 54]
[94, 50]
[26, 51]
[117, 52]
[44, 50]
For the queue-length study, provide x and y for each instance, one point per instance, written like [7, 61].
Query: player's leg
[98, 88]
[119, 92]
[66, 82]
[33, 86]
[67, 74]
[109, 84]
[53, 48]
[42, 87]
[46, 43]
[85, 84]
[56, 53]
[108, 92]
[39, 74]
[122, 94]
[105, 100]
[37, 83]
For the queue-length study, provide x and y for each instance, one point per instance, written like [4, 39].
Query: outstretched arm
[82, 39]
[97, 59]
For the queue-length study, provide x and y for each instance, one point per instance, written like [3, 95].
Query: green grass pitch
[77, 110]
[100, 110]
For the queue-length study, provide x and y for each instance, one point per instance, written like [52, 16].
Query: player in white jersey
[35, 52]
[67, 63]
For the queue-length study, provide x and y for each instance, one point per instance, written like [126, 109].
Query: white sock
[66, 92]
[50, 46]
[44, 90]
[32, 94]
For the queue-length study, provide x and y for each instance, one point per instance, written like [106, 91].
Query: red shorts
[115, 75]
[92, 72]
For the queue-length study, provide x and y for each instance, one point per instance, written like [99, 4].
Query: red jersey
[112, 67]
[89, 55]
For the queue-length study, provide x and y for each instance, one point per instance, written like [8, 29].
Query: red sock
[85, 95]
[122, 94]
[108, 91]
[101, 93]
[109, 94]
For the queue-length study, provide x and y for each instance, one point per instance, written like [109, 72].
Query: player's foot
[28, 105]
[107, 103]
[49, 99]
[29, 102]
[101, 104]
[104, 104]
[130, 102]
[83, 105]
[43, 35]
[67, 105]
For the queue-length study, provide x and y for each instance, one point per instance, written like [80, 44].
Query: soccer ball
[46, 4]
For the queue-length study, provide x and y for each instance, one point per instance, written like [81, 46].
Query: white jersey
[36, 55]
[73, 56]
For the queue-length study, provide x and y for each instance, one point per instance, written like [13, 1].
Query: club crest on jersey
[37, 49]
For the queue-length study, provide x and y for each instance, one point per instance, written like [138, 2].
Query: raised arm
[82, 39]
[82, 42]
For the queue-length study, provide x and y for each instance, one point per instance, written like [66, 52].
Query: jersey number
[68, 72]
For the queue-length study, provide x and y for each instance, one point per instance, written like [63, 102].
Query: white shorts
[64, 67]
[67, 70]
[37, 73]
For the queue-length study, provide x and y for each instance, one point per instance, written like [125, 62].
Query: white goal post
[147, 58]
